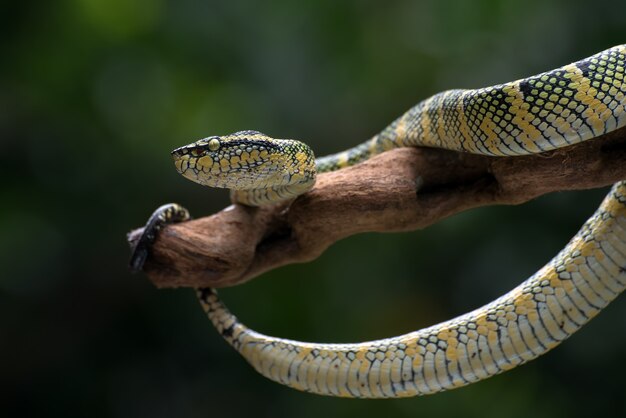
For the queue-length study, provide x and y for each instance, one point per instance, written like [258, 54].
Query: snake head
[243, 160]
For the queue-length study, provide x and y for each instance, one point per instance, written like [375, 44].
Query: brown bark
[400, 190]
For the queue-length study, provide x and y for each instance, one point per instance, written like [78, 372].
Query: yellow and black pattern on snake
[562, 107]
[574, 103]
[521, 325]
[258, 169]
[551, 110]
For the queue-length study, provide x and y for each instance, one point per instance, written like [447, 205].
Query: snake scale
[555, 109]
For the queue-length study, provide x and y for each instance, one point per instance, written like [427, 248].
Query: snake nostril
[177, 152]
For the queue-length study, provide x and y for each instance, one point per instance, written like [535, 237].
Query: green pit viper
[571, 104]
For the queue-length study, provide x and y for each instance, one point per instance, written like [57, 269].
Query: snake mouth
[186, 159]
[185, 162]
[238, 165]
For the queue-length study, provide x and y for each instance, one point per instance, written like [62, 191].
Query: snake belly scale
[552, 110]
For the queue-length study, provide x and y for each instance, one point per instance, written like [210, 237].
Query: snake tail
[163, 215]
[519, 326]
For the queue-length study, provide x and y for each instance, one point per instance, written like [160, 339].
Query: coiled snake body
[555, 109]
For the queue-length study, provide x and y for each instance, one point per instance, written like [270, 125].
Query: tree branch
[399, 190]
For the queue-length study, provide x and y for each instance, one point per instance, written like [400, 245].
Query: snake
[552, 110]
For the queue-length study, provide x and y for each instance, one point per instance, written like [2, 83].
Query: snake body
[551, 110]
[555, 109]
[519, 326]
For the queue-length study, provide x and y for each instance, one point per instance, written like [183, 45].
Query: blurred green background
[95, 93]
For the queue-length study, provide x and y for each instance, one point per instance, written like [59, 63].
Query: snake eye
[214, 144]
